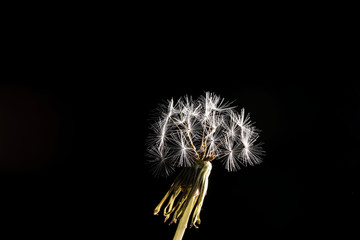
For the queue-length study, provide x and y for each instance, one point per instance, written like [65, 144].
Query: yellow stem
[184, 220]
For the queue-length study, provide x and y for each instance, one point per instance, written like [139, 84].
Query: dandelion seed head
[204, 129]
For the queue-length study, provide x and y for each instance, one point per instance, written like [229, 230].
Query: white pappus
[204, 129]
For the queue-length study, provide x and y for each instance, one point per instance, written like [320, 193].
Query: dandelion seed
[189, 135]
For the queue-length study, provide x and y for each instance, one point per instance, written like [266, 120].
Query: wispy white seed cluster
[204, 129]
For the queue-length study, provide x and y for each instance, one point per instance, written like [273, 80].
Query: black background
[76, 96]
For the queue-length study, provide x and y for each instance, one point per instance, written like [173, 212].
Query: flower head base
[190, 134]
[188, 190]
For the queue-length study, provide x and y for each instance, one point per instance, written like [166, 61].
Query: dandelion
[189, 135]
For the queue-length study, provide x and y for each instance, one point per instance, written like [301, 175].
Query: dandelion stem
[184, 220]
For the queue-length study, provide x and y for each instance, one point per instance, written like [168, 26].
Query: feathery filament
[203, 129]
